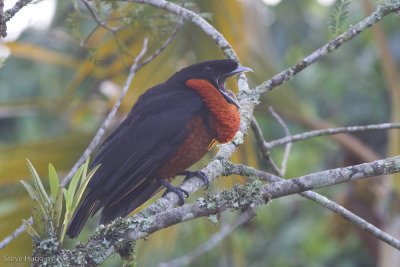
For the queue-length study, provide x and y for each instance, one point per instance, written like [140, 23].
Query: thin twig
[213, 241]
[351, 217]
[14, 235]
[97, 19]
[288, 145]
[331, 131]
[263, 146]
[175, 31]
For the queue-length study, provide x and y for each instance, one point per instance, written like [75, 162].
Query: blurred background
[61, 75]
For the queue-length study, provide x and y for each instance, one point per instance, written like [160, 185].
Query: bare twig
[6, 16]
[97, 19]
[263, 146]
[174, 32]
[331, 131]
[351, 217]
[14, 235]
[213, 241]
[288, 145]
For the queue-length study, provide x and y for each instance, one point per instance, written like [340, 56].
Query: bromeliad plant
[49, 221]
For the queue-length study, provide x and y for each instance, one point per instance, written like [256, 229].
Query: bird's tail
[80, 217]
[130, 201]
[127, 203]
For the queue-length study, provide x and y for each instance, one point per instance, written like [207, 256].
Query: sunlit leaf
[74, 182]
[68, 199]
[38, 184]
[54, 183]
[82, 187]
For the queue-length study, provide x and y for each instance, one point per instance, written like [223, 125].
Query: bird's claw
[200, 174]
[177, 190]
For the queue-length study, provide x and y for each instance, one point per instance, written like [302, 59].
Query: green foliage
[122, 20]
[339, 16]
[46, 210]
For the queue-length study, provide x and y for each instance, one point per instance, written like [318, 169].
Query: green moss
[239, 197]
[46, 252]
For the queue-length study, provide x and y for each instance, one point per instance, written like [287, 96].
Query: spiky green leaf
[74, 181]
[68, 199]
[32, 192]
[54, 183]
[82, 187]
[39, 186]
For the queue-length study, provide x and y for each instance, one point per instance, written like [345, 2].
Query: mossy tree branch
[109, 239]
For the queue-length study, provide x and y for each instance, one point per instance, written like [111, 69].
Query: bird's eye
[208, 68]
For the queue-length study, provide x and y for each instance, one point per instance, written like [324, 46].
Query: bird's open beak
[240, 69]
[229, 95]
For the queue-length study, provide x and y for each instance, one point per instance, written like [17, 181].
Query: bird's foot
[200, 174]
[177, 190]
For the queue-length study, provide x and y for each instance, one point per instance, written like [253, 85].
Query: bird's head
[216, 72]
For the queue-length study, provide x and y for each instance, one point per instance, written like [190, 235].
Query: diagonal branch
[382, 11]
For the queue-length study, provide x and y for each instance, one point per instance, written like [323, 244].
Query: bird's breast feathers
[224, 119]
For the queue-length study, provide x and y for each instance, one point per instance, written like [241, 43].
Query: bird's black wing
[145, 140]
